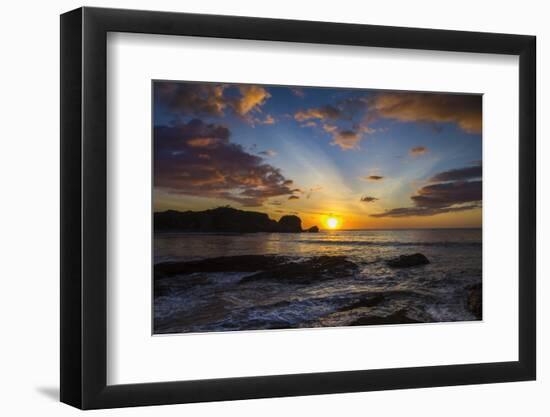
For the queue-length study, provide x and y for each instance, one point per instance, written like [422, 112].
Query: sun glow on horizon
[332, 222]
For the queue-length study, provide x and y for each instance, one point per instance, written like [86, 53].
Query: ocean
[221, 301]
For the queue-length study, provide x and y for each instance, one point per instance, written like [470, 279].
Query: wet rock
[306, 272]
[366, 301]
[406, 261]
[243, 263]
[475, 300]
[312, 229]
[399, 317]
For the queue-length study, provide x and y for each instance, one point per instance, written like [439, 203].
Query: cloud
[298, 92]
[442, 197]
[346, 139]
[322, 113]
[373, 178]
[252, 97]
[269, 120]
[348, 120]
[339, 121]
[464, 110]
[203, 142]
[269, 152]
[200, 99]
[311, 123]
[448, 193]
[198, 159]
[205, 99]
[418, 150]
[368, 199]
[423, 211]
[293, 197]
[458, 174]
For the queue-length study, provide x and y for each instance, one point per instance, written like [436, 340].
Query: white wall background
[29, 237]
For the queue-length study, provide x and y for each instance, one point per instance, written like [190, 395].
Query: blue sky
[371, 158]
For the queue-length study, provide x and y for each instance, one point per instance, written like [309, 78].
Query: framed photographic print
[257, 208]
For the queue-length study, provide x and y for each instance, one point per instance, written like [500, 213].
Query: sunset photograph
[296, 207]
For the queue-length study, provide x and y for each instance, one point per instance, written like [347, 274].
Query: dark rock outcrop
[224, 220]
[399, 317]
[475, 300]
[313, 229]
[306, 272]
[406, 261]
[243, 263]
[289, 224]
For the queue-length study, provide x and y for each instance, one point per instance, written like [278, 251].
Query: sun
[332, 222]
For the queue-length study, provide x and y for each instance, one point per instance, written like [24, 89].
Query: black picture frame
[84, 207]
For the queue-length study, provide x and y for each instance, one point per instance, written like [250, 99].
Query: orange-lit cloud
[321, 113]
[346, 139]
[204, 99]
[464, 110]
[252, 97]
[418, 150]
[309, 124]
[269, 120]
[202, 143]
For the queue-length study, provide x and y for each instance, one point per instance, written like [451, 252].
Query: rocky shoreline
[226, 220]
[260, 270]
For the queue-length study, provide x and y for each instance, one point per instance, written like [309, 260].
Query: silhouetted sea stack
[225, 220]
[290, 224]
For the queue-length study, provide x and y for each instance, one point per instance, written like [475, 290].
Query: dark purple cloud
[368, 199]
[423, 211]
[373, 178]
[198, 159]
[459, 174]
[443, 197]
[448, 194]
